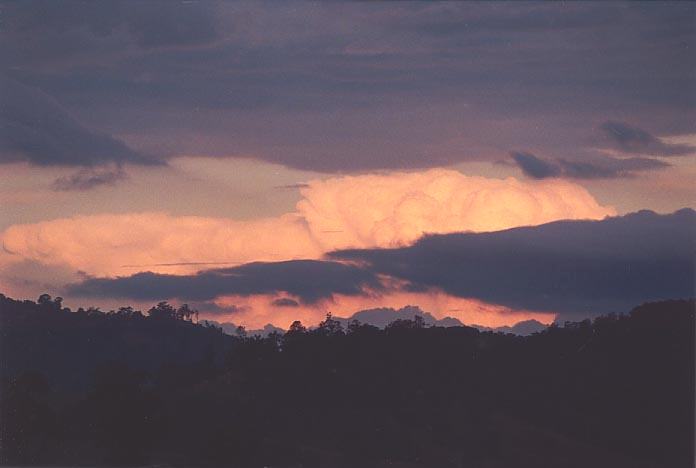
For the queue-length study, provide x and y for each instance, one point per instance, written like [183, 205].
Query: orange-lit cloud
[396, 209]
[357, 211]
[109, 245]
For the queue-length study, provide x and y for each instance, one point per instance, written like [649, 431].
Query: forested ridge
[130, 388]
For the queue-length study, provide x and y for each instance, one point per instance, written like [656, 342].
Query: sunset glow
[155, 163]
[256, 311]
[420, 234]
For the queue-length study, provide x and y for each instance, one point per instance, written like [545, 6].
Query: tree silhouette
[163, 310]
[185, 313]
[296, 327]
[88, 388]
[330, 326]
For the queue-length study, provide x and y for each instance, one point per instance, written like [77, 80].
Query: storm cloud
[87, 179]
[285, 302]
[630, 139]
[36, 129]
[337, 87]
[575, 268]
[308, 280]
[566, 266]
[595, 168]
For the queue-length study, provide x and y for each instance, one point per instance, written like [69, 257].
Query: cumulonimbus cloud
[388, 210]
[396, 209]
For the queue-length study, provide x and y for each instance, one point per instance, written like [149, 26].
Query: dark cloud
[630, 139]
[210, 307]
[353, 86]
[308, 280]
[168, 264]
[36, 129]
[165, 23]
[447, 22]
[576, 268]
[534, 167]
[286, 302]
[70, 25]
[609, 168]
[87, 179]
[292, 186]
[584, 267]
[595, 168]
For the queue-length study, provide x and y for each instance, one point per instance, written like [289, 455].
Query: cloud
[226, 78]
[292, 186]
[398, 208]
[596, 168]
[258, 310]
[36, 129]
[97, 24]
[572, 268]
[446, 22]
[211, 308]
[308, 280]
[584, 267]
[285, 302]
[117, 244]
[534, 167]
[163, 24]
[344, 212]
[87, 179]
[630, 139]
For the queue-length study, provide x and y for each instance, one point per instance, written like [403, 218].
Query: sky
[266, 162]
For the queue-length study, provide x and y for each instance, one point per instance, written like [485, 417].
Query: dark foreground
[88, 388]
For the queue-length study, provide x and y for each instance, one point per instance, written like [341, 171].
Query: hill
[92, 388]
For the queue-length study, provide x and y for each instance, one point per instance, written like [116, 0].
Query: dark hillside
[66, 347]
[614, 392]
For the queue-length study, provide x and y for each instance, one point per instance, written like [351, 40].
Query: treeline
[127, 388]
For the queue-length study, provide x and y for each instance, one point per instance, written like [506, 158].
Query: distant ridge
[382, 316]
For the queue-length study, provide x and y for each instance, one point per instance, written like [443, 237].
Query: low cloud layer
[572, 268]
[87, 179]
[307, 280]
[344, 212]
[567, 266]
[38, 130]
[109, 245]
[634, 140]
[346, 86]
[595, 168]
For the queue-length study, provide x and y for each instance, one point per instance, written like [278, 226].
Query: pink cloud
[384, 210]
